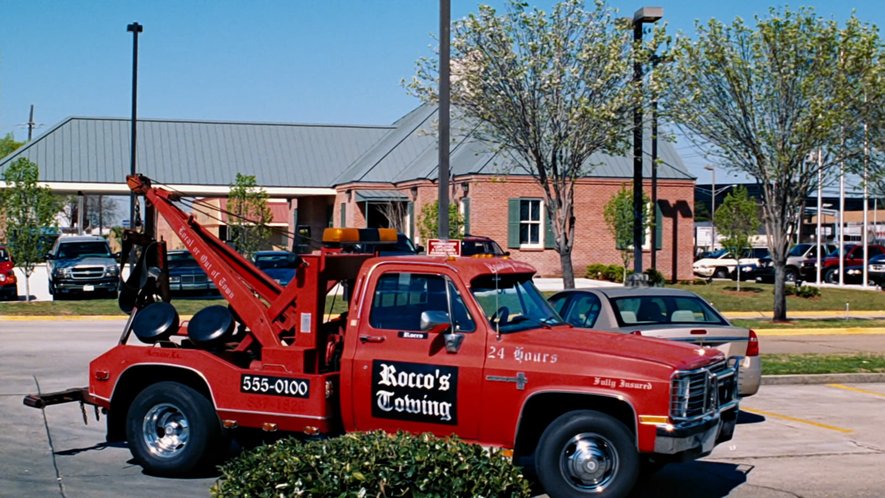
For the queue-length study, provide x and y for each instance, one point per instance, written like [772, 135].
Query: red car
[829, 270]
[8, 287]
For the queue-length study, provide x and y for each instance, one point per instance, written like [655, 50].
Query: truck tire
[587, 453]
[172, 429]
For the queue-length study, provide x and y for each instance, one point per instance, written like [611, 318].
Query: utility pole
[31, 123]
[444, 100]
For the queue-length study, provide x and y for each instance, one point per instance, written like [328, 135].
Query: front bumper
[695, 439]
[68, 286]
[703, 271]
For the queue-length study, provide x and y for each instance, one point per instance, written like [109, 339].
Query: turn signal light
[357, 235]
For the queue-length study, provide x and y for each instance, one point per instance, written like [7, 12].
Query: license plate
[88, 288]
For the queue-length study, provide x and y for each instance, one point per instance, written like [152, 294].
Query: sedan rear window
[664, 310]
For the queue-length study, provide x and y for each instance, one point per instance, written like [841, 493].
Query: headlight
[2, 277]
[680, 396]
[174, 279]
[63, 273]
[111, 271]
[854, 272]
[877, 267]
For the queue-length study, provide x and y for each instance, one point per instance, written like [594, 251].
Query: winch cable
[58, 478]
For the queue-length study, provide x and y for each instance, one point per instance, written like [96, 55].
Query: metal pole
[31, 123]
[842, 217]
[712, 170]
[820, 179]
[637, 157]
[654, 177]
[135, 29]
[444, 97]
[866, 206]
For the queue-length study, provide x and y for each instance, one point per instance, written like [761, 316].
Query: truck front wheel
[172, 429]
[586, 453]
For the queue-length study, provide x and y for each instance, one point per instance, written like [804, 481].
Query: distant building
[366, 176]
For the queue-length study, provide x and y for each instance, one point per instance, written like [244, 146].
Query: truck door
[403, 377]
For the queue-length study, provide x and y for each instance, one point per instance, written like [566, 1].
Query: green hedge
[371, 464]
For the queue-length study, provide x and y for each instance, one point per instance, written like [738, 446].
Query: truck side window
[399, 299]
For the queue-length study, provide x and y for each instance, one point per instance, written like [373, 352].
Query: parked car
[82, 265]
[876, 270]
[8, 284]
[764, 273]
[278, 265]
[721, 264]
[852, 254]
[186, 276]
[853, 275]
[403, 247]
[665, 313]
[477, 245]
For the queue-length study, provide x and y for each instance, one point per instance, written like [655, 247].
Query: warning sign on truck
[438, 247]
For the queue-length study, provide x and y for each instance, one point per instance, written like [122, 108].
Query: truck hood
[672, 354]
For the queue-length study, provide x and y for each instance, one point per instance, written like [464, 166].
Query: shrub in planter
[371, 464]
[655, 278]
[614, 273]
[806, 291]
[596, 271]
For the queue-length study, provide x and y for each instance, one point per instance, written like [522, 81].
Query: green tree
[249, 215]
[737, 219]
[618, 214]
[8, 145]
[428, 224]
[548, 90]
[28, 210]
[762, 99]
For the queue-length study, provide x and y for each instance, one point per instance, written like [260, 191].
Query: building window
[530, 227]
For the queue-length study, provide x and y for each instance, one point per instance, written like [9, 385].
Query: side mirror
[438, 322]
[48, 256]
[117, 255]
[506, 253]
[419, 249]
[435, 321]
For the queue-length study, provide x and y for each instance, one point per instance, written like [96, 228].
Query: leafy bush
[371, 464]
[614, 273]
[806, 291]
[655, 278]
[596, 271]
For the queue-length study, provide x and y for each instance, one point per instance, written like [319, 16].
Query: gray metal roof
[380, 195]
[211, 153]
[410, 152]
[96, 150]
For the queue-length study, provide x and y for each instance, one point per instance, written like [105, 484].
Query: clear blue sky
[296, 61]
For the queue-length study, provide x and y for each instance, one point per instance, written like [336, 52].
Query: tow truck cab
[427, 344]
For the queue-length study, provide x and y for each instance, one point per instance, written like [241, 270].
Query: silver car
[665, 313]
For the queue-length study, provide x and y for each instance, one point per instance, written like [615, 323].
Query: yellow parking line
[800, 420]
[855, 389]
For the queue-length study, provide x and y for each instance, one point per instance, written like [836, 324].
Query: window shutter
[549, 242]
[343, 214]
[513, 223]
[465, 202]
[410, 208]
[659, 226]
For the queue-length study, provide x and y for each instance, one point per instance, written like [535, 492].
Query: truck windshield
[512, 303]
[83, 249]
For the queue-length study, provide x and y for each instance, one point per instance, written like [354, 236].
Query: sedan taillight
[752, 344]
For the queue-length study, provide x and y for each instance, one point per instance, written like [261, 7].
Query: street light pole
[444, 97]
[642, 16]
[712, 170]
[135, 29]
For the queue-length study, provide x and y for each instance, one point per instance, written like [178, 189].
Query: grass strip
[809, 363]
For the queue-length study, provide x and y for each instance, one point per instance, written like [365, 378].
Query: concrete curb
[842, 378]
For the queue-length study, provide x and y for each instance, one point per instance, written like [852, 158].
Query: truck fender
[541, 408]
[135, 379]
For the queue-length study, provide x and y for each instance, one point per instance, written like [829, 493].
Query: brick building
[336, 175]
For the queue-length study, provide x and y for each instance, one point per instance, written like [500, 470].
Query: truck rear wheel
[172, 429]
[586, 453]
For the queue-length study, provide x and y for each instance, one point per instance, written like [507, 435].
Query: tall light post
[645, 15]
[444, 98]
[712, 170]
[135, 29]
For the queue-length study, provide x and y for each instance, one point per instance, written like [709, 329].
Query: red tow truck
[459, 346]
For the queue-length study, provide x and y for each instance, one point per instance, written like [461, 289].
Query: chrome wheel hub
[165, 430]
[589, 462]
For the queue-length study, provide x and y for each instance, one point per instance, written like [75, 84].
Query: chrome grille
[698, 393]
[87, 272]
